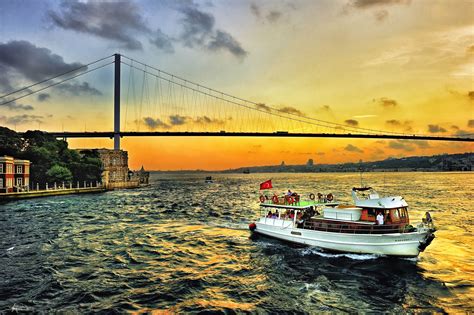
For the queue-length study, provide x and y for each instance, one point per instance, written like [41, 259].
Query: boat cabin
[358, 218]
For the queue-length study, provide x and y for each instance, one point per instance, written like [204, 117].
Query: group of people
[288, 214]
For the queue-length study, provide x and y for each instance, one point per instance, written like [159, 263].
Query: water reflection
[182, 245]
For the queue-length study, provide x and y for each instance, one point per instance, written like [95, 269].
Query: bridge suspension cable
[27, 88]
[250, 105]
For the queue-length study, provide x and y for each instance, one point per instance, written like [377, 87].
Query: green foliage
[58, 174]
[50, 158]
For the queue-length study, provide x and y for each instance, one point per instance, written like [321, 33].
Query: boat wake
[316, 251]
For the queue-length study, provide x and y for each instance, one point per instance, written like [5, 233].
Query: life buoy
[262, 199]
[275, 199]
[290, 200]
[252, 227]
[312, 196]
[330, 197]
[320, 195]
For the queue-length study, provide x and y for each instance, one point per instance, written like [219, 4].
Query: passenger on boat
[379, 218]
[269, 215]
[276, 214]
[289, 193]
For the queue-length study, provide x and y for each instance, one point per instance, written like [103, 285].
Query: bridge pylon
[117, 102]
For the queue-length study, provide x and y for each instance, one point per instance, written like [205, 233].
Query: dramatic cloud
[162, 41]
[154, 123]
[199, 31]
[470, 123]
[261, 106]
[464, 133]
[43, 97]
[291, 110]
[118, 21]
[77, 89]
[401, 145]
[352, 122]
[386, 102]
[381, 15]
[15, 106]
[273, 16]
[255, 9]
[206, 120]
[435, 129]
[326, 108]
[224, 41]
[22, 59]
[364, 4]
[177, 120]
[352, 148]
[21, 119]
[405, 125]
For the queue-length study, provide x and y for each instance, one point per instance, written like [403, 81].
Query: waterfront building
[115, 169]
[14, 174]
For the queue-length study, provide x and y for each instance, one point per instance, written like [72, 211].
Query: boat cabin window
[395, 215]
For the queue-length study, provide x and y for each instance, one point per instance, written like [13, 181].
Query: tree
[58, 173]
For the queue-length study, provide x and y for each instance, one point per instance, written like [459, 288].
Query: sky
[391, 65]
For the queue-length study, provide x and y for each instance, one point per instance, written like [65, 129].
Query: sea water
[182, 245]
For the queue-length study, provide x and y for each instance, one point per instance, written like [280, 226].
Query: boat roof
[382, 203]
[301, 206]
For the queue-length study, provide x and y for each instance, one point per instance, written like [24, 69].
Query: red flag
[266, 185]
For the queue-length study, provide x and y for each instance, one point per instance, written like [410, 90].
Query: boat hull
[393, 244]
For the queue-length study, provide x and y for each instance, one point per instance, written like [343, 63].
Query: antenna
[360, 170]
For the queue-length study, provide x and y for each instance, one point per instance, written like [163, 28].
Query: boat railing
[359, 229]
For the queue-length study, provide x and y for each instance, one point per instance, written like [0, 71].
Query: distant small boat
[372, 225]
[209, 179]
[246, 172]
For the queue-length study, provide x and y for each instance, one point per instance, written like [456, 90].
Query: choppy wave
[182, 245]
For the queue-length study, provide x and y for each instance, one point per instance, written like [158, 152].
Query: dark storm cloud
[162, 41]
[291, 110]
[197, 26]
[177, 120]
[470, 123]
[435, 129]
[29, 61]
[401, 145]
[43, 97]
[386, 102]
[117, 21]
[21, 119]
[15, 106]
[261, 106]
[154, 123]
[77, 89]
[352, 122]
[352, 148]
[273, 16]
[198, 31]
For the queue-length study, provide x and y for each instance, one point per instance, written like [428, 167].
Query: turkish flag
[266, 185]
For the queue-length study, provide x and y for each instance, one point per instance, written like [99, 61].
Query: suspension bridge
[167, 105]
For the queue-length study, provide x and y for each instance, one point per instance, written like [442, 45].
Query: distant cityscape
[436, 163]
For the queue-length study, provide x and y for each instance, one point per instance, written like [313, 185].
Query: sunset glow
[393, 65]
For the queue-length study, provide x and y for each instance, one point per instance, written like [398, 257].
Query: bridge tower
[117, 103]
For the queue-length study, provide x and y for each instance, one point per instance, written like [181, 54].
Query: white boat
[346, 228]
